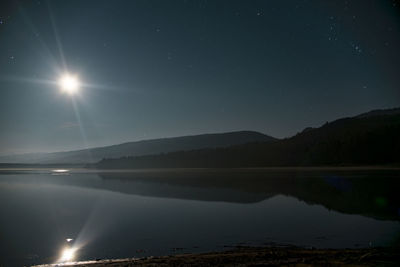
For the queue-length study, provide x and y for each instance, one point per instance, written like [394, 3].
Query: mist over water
[117, 215]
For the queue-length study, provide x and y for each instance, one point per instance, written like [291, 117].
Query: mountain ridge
[201, 142]
[141, 147]
[366, 139]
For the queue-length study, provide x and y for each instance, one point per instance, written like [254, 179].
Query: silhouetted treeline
[362, 140]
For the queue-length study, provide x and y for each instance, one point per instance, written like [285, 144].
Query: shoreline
[47, 168]
[259, 256]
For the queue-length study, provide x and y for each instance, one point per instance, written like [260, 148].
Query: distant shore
[80, 169]
[264, 256]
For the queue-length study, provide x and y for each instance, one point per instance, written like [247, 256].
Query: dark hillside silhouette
[368, 139]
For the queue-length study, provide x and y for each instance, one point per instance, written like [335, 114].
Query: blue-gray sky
[169, 68]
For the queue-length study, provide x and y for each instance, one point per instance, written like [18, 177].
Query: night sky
[155, 69]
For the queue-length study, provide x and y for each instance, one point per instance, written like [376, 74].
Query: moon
[69, 84]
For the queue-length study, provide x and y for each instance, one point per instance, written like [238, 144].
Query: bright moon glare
[68, 254]
[69, 84]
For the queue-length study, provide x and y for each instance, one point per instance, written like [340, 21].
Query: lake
[161, 212]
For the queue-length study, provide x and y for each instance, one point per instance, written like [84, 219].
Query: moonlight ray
[81, 128]
[44, 48]
[56, 36]
[17, 79]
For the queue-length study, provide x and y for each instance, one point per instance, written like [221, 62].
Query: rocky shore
[264, 256]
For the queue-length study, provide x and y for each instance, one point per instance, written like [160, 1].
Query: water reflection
[60, 171]
[154, 213]
[67, 255]
[369, 193]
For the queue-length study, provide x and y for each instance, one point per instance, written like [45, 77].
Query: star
[356, 47]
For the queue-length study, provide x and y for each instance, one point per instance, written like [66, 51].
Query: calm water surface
[116, 215]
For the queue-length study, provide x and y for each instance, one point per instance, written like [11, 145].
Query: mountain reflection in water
[159, 212]
[369, 193]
